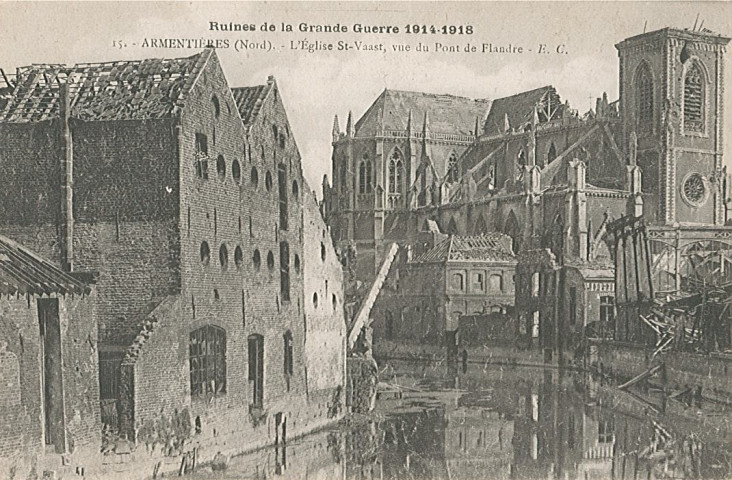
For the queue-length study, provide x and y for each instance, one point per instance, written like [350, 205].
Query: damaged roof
[24, 272]
[489, 247]
[249, 100]
[122, 90]
[518, 108]
[448, 114]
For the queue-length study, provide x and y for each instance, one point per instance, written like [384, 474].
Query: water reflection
[503, 423]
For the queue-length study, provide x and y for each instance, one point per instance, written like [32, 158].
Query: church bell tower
[671, 99]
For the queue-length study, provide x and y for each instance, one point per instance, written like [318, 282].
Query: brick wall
[31, 195]
[125, 208]
[326, 328]
[21, 427]
[227, 289]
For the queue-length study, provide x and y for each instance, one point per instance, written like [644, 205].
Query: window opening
[288, 354]
[255, 344]
[282, 185]
[496, 283]
[572, 305]
[268, 181]
[694, 99]
[453, 171]
[607, 309]
[201, 155]
[255, 177]
[207, 347]
[285, 271]
[223, 256]
[205, 253]
[364, 175]
[238, 257]
[644, 99]
[236, 171]
[552, 153]
[216, 106]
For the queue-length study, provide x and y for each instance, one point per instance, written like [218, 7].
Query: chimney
[66, 224]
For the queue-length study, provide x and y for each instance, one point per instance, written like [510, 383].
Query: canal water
[493, 422]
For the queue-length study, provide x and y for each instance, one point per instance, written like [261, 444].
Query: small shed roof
[24, 272]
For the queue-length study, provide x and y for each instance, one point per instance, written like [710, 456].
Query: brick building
[470, 289]
[535, 169]
[187, 197]
[48, 362]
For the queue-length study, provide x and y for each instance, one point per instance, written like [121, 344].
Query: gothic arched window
[552, 154]
[694, 99]
[364, 175]
[520, 162]
[453, 172]
[644, 98]
[396, 172]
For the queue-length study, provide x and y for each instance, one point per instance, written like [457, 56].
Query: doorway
[51, 374]
[256, 368]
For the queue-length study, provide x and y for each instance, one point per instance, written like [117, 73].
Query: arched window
[512, 229]
[552, 154]
[207, 355]
[364, 175]
[452, 228]
[453, 171]
[216, 106]
[520, 162]
[396, 172]
[644, 98]
[694, 99]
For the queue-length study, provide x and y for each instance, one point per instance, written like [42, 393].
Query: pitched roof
[519, 108]
[448, 114]
[489, 247]
[249, 100]
[122, 90]
[22, 271]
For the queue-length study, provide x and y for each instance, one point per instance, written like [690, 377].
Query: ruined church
[417, 167]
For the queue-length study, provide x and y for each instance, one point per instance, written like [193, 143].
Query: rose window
[694, 189]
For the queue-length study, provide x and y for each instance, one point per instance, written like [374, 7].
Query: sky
[316, 86]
